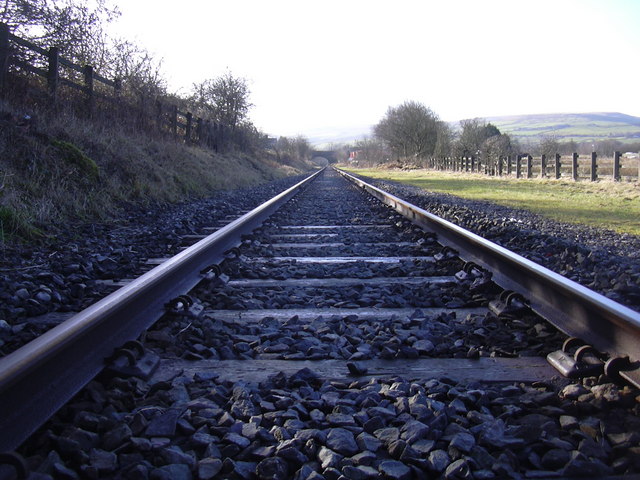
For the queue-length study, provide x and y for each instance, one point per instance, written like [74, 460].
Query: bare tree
[474, 132]
[497, 146]
[224, 99]
[410, 130]
[79, 29]
[74, 26]
[568, 147]
[549, 146]
[138, 70]
[292, 150]
[606, 148]
[444, 143]
[370, 151]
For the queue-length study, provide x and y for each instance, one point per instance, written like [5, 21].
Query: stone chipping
[184, 425]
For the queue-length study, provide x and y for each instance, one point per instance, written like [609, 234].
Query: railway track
[325, 335]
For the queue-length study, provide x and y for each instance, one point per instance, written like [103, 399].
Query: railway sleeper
[395, 392]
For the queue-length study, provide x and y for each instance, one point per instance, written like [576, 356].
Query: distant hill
[322, 138]
[581, 127]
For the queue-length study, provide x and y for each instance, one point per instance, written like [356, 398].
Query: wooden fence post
[500, 166]
[518, 165]
[529, 166]
[200, 130]
[508, 164]
[53, 74]
[187, 134]
[543, 166]
[174, 122]
[557, 166]
[594, 166]
[117, 100]
[574, 165]
[4, 56]
[217, 143]
[88, 82]
[616, 166]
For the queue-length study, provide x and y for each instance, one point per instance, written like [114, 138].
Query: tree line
[80, 30]
[410, 133]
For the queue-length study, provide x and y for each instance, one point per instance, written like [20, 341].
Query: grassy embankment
[67, 170]
[602, 204]
[580, 127]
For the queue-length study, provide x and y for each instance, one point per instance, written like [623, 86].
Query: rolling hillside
[581, 127]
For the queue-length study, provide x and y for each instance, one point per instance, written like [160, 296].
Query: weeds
[64, 168]
[75, 156]
[13, 225]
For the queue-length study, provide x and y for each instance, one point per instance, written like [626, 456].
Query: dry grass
[66, 169]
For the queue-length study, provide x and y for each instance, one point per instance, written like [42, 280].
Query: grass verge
[63, 170]
[603, 204]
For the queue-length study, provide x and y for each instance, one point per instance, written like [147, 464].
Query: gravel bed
[600, 259]
[63, 273]
[351, 337]
[393, 296]
[302, 427]
[184, 425]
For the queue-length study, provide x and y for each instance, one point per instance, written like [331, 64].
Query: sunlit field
[604, 204]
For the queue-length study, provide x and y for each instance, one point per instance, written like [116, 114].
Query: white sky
[341, 63]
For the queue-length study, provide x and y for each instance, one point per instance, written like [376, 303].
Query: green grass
[603, 204]
[580, 127]
[12, 224]
[77, 157]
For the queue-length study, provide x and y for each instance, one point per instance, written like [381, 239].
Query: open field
[566, 126]
[603, 204]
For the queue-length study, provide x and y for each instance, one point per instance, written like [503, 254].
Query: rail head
[573, 308]
[37, 379]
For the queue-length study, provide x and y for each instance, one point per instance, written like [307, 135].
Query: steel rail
[40, 377]
[574, 309]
